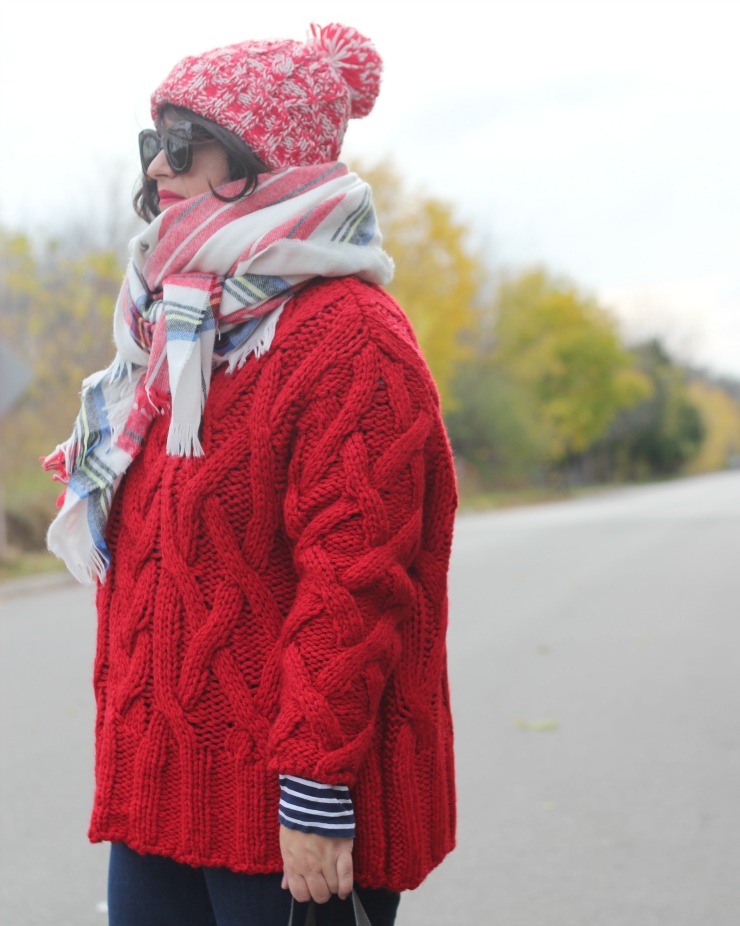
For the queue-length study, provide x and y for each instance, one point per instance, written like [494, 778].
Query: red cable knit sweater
[280, 605]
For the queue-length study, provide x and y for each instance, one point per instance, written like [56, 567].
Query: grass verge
[21, 564]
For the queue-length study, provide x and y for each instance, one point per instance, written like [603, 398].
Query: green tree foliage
[438, 274]
[661, 434]
[563, 347]
[493, 425]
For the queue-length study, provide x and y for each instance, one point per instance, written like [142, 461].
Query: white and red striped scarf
[205, 285]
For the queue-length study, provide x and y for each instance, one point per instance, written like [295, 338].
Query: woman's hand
[315, 867]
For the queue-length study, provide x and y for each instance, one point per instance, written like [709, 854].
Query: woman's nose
[160, 167]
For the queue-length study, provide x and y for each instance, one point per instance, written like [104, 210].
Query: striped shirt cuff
[325, 810]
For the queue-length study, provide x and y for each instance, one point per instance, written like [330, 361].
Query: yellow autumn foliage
[564, 347]
[438, 274]
[721, 416]
[56, 312]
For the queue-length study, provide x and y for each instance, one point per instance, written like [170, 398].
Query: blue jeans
[148, 890]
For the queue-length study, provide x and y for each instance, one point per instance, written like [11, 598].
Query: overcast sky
[599, 138]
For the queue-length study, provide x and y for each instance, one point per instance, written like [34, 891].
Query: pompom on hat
[289, 101]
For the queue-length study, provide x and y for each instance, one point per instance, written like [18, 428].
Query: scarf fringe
[70, 539]
[182, 441]
[258, 343]
[120, 368]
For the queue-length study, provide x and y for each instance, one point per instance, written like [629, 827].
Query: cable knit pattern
[280, 604]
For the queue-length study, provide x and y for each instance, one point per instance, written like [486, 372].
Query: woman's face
[210, 170]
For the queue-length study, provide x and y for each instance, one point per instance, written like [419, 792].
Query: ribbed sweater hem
[362, 877]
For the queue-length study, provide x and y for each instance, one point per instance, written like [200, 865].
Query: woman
[261, 487]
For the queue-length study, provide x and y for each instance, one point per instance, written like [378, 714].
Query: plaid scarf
[205, 285]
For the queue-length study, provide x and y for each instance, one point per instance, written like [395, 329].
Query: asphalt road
[595, 660]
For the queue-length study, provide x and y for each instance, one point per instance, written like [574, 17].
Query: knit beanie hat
[289, 101]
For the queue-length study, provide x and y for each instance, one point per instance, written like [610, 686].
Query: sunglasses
[177, 144]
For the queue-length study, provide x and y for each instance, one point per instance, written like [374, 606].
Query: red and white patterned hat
[289, 101]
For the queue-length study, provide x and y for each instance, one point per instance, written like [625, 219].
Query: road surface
[595, 665]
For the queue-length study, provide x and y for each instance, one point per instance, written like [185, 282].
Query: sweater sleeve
[354, 515]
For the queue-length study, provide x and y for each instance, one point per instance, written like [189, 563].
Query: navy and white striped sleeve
[311, 807]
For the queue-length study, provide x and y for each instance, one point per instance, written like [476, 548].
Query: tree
[493, 424]
[438, 275]
[661, 434]
[720, 414]
[56, 314]
[563, 347]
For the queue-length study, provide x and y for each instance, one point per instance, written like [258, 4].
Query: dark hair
[243, 163]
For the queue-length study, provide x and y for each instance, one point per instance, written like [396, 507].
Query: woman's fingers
[318, 888]
[345, 874]
[330, 876]
[298, 887]
[312, 887]
[315, 867]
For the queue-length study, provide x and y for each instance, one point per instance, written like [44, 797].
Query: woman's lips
[166, 198]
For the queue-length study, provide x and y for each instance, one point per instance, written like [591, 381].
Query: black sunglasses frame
[177, 144]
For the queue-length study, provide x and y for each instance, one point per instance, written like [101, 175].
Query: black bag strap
[361, 918]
